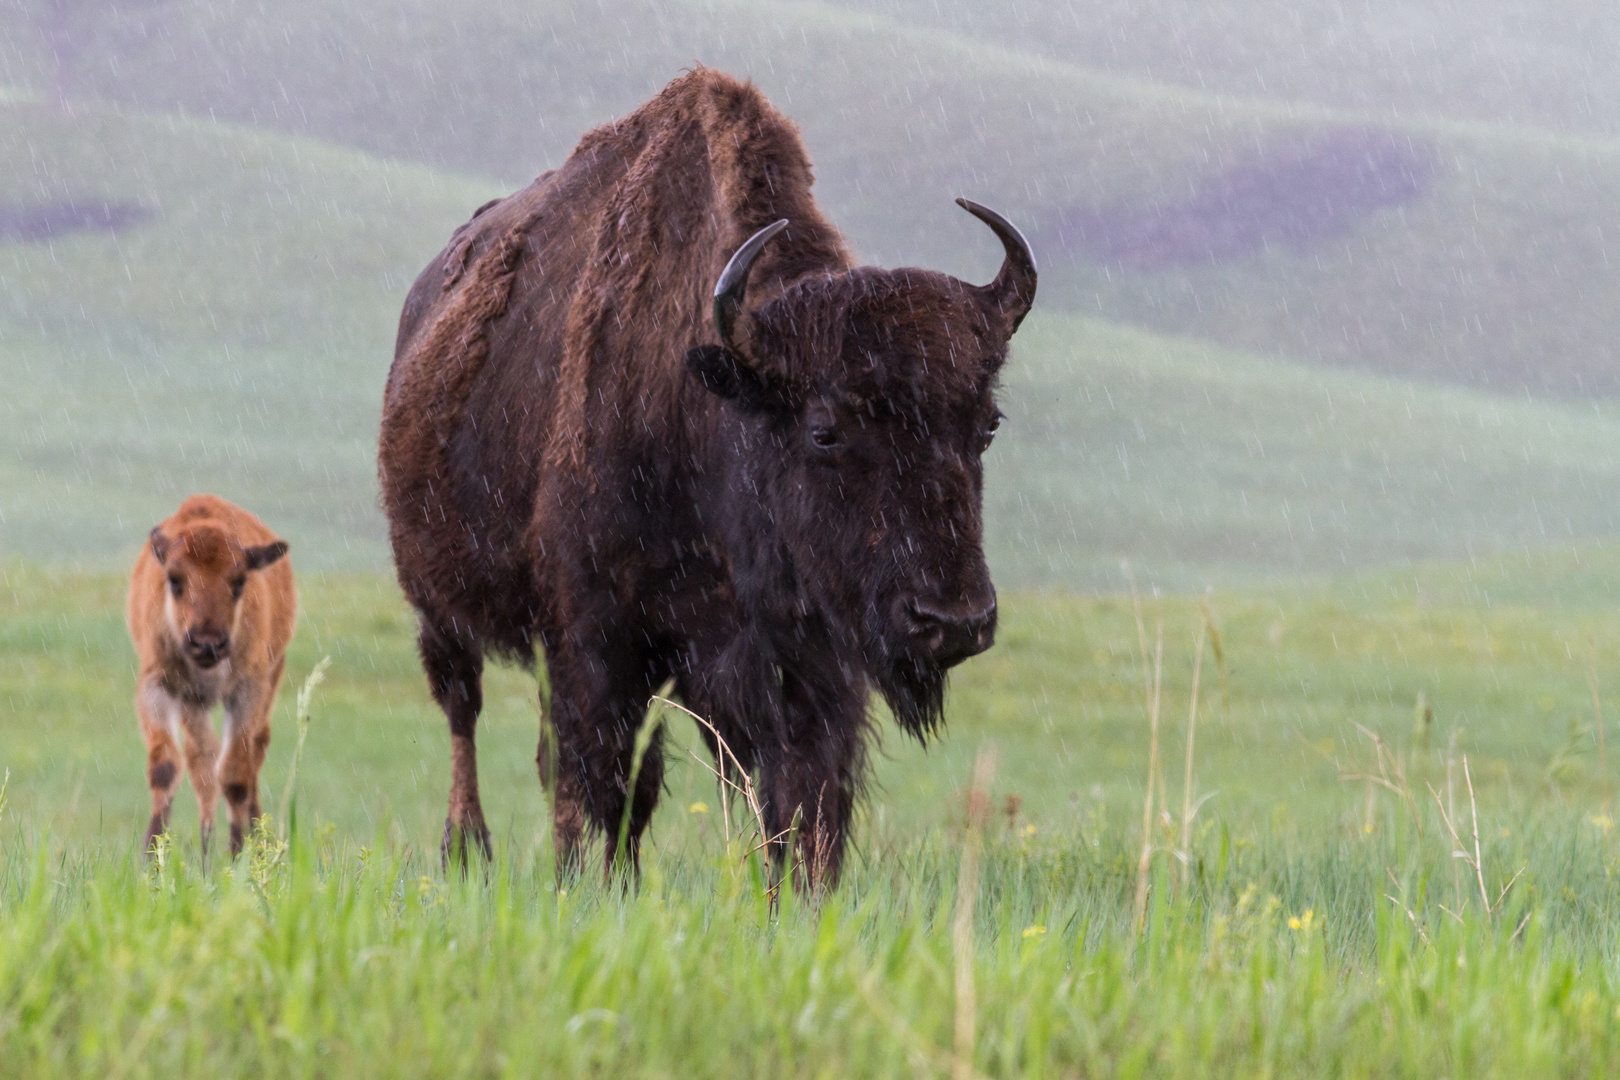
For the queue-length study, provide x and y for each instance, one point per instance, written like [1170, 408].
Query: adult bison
[590, 444]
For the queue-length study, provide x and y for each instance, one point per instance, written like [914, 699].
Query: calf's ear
[724, 376]
[160, 545]
[262, 556]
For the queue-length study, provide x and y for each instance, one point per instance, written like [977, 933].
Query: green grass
[1380, 546]
[1061, 693]
[351, 954]
[367, 966]
[1500, 275]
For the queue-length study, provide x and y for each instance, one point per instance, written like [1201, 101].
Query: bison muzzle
[648, 415]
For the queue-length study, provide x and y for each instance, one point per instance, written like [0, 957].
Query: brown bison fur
[211, 609]
[572, 456]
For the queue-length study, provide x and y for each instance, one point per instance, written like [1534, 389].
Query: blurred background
[1326, 286]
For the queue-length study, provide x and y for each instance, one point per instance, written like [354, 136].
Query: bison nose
[207, 648]
[952, 633]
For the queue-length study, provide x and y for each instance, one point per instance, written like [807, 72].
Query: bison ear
[716, 369]
[262, 556]
[722, 375]
[160, 545]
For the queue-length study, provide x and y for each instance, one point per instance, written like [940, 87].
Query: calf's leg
[247, 738]
[455, 675]
[160, 718]
[202, 765]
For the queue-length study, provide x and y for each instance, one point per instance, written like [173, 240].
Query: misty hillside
[1366, 229]
[1552, 65]
[193, 306]
[200, 306]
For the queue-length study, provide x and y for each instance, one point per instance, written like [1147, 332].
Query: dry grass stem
[306, 695]
[1391, 774]
[1153, 768]
[1187, 808]
[1597, 714]
[1460, 850]
[929, 1056]
[724, 773]
[1410, 916]
[967, 890]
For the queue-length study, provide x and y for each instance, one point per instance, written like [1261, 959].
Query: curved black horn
[1013, 291]
[733, 284]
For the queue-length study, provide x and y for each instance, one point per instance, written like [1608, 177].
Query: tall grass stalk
[1597, 719]
[967, 890]
[1187, 777]
[644, 737]
[1142, 863]
[306, 694]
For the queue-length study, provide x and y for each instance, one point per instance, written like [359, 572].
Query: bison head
[866, 400]
[207, 572]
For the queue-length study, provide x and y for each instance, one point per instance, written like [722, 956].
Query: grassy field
[1431, 238]
[1279, 952]
[1414, 580]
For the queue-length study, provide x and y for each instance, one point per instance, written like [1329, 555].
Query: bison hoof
[459, 838]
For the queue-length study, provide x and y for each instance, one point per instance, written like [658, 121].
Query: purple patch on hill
[38, 222]
[1294, 199]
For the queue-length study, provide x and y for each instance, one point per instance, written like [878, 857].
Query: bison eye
[176, 585]
[236, 588]
[824, 438]
[990, 430]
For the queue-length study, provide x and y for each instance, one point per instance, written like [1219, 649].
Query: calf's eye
[236, 588]
[176, 586]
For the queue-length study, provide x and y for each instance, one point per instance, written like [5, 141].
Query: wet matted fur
[571, 458]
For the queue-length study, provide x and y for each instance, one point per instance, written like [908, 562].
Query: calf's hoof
[154, 830]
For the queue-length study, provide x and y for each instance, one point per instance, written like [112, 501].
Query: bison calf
[211, 609]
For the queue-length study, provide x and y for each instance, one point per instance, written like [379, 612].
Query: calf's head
[206, 572]
[867, 399]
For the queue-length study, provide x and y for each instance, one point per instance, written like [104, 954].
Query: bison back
[541, 352]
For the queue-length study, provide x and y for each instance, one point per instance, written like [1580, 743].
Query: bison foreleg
[599, 704]
[809, 789]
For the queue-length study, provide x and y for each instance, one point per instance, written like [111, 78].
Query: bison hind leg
[455, 670]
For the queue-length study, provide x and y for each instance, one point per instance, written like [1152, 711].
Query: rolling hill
[1435, 237]
[215, 311]
[234, 336]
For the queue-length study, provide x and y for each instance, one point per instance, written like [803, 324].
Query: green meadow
[1377, 468]
[1307, 919]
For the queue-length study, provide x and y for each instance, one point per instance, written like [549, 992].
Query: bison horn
[728, 294]
[1013, 291]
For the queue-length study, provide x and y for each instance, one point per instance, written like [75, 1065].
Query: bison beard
[648, 414]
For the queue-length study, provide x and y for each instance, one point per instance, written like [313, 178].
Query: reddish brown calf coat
[211, 610]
